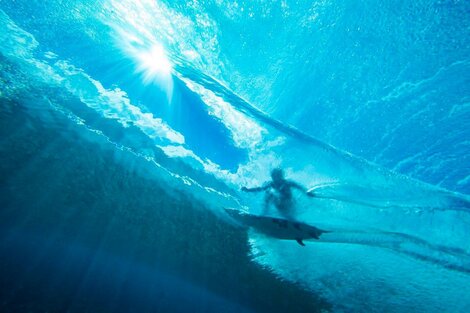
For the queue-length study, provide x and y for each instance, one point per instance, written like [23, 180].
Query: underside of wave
[89, 106]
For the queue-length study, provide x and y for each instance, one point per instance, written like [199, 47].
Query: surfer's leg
[285, 209]
[287, 215]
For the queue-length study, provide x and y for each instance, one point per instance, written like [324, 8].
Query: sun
[154, 64]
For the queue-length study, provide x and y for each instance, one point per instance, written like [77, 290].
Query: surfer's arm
[257, 189]
[301, 188]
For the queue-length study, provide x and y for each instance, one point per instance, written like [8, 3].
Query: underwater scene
[234, 156]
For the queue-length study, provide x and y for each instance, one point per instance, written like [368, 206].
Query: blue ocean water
[128, 126]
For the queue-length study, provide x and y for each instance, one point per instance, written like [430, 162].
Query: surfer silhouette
[279, 193]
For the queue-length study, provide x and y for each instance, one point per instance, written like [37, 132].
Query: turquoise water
[126, 128]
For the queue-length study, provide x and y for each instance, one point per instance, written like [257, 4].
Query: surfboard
[277, 227]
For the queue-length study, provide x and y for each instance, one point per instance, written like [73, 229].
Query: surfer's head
[277, 174]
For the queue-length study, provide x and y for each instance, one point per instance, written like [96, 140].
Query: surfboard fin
[300, 242]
